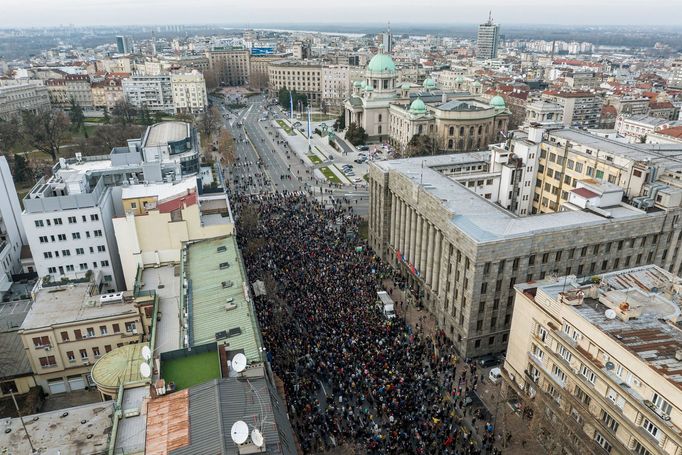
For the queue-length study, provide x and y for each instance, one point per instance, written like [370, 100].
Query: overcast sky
[16, 13]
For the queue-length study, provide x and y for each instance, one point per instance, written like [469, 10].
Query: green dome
[476, 84]
[363, 84]
[381, 63]
[406, 86]
[369, 88]
[429, 83]
[497, 102]
[459, 79]
[418, 107]
[357, 84]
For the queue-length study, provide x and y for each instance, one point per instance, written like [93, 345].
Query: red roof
[675, 131]
[661, 105]
[178, 202]
[584, 192]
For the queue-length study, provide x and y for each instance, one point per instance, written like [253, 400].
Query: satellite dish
[609, 366]
[610, 314]
[145, 370]
[239, 432]
[239, 362]
[146, 352]
[257, 437]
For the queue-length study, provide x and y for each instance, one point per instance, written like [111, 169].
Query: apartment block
[462, 251]
[70, 326]
[487, 40]
[635, 128]
[581, 109]
[18, 96]
[599, 360]
[70, 87]
[107, 93]
[154, 93]
[189, 92]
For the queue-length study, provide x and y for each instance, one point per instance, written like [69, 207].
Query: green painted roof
[459, 79]
[429, 83]
[369, 88]
[406, 86]
[498, 102]
[357, 84]
[418, 107]
[121, 365]
[381, 63]
[209, 298]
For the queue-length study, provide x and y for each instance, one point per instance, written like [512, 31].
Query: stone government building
[391, 112]
[463, 252]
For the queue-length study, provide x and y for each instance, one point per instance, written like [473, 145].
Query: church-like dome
[459, 79]
[369, 88]
[418, 107]
[498, 102]
[363, 84]
[429, 84]
[381, 63]
[406, 86]
[357, 84]
[476, 84]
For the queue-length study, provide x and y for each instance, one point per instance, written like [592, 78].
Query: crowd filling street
[352, 377]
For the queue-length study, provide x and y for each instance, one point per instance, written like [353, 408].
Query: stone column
[403, 225]
[413, 233]
[393, 220]
[417, 244]
[424, 241]
[436, 264]
[430, 250]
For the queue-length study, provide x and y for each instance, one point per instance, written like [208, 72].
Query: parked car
[363, 148]
[495, 375]
[489, 361]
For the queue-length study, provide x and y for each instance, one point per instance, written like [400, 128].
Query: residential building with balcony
[189, 92]
[154, 93]
[70, 326]
[600, 360]
[581, 109]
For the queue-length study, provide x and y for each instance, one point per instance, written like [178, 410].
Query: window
[131, 327]
[76, 235]
[39, 223]
[477, 344]
[72, 219]
[97, 233]
[565, 353]
[94, 217]
[559, 374]
[84, 354]
[47, 255]
[582, 396]
[41, 342]
[95, 352]
[66, 253]
[531, 259]
[101, 249]
[83, 266]
[80, 251]
[70, 356]
[652, 429]
[43, 239]
[603, 443]
[65, 336]
[48, 362]
[103, 330]
[57, 221]
[639, 449]
[663, 406]
[542, 333]
[77, 334]
[484, 288]
[116, 328]
[537, 352]
[588, 374]
[104, 263]
[609, 421]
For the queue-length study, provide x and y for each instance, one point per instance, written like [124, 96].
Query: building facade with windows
[600, 361]
[463, 250]
[303, 76]
[228, 67]
[581, 109]
[70, 326]
[189, 93]
[69, 229]
[12, 234]
[154, 93]
[487, 40]
[18, 96]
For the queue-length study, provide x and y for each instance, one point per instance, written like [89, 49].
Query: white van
[385, 304]
[495, 375]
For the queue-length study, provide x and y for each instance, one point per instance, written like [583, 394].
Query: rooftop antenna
[145, 370]
[239, 362]
[490, 17]
[257, 437]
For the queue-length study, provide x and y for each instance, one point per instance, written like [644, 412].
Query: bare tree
[209, 122]
[226, 146]
[45, 130]
[124, 112]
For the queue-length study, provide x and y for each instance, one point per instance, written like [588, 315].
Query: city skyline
[150, 12]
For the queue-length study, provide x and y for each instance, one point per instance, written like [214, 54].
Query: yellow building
[600, 361]
[70, 326]
[159, 217]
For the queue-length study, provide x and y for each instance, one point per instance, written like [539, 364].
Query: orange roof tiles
[675, 131]
[167, 423]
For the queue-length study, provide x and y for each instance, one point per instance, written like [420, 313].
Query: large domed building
[395, 112]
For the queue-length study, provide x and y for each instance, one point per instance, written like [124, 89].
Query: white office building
[12, 235]
[189, 92]
[152, 92]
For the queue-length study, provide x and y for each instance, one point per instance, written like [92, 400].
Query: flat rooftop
[648, 295]
[61, 431]
[119, 366]
[132, 428]
[160, 190]
[71, 303]
[161, 134]
[218, 282]
[165, 281]
[483, 220]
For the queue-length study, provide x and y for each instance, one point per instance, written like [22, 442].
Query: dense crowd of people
[351, 376]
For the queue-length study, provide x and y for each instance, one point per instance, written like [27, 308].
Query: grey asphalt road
[265, 163]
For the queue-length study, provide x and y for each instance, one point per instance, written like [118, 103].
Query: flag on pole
[309, 128]
[291, 105]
